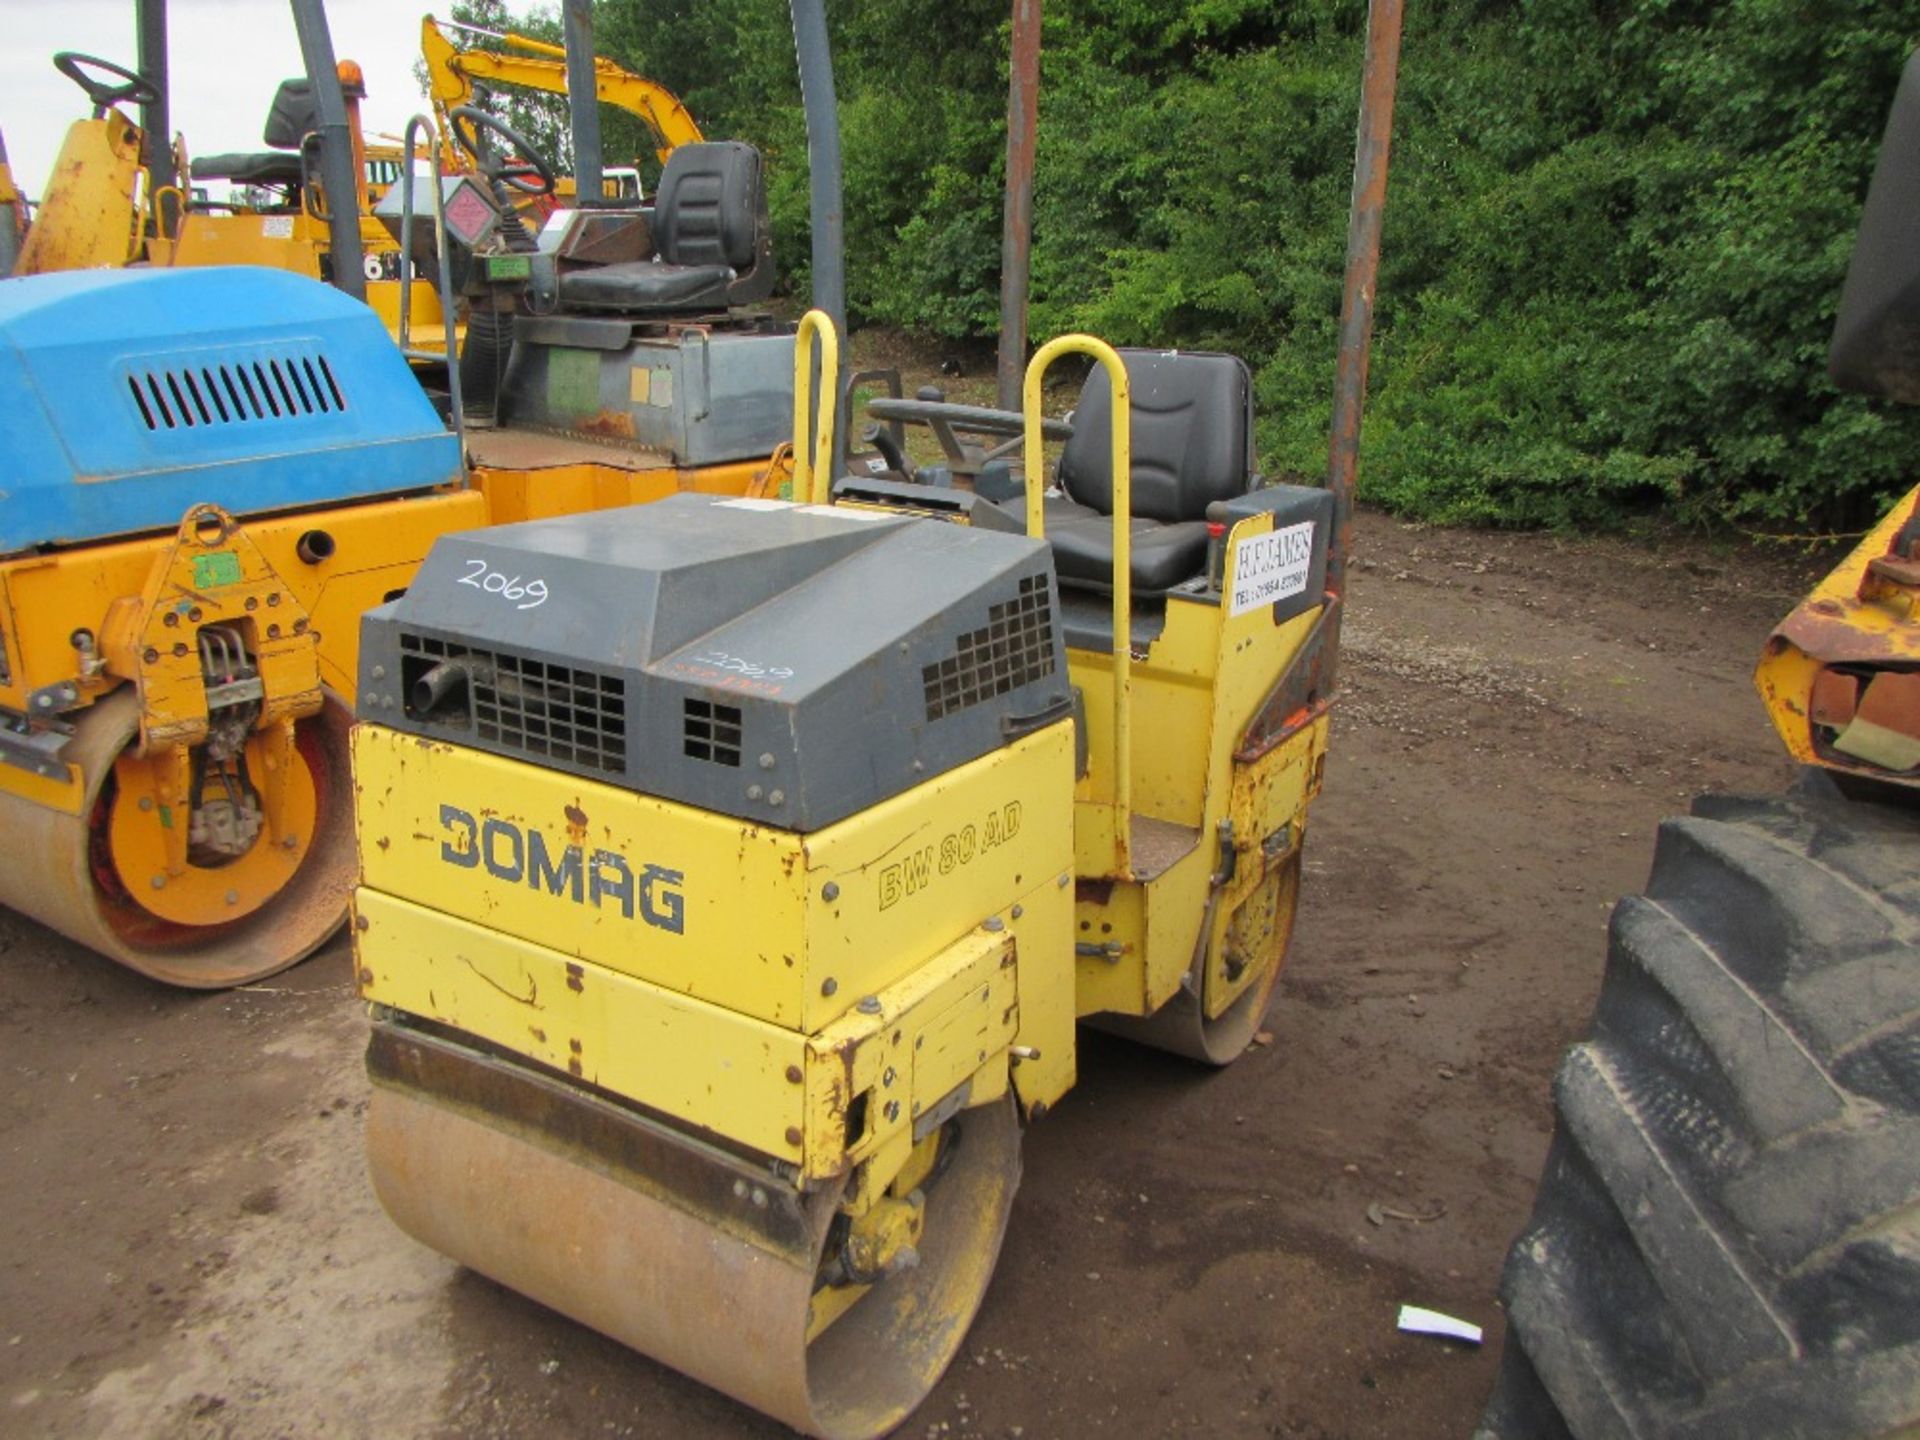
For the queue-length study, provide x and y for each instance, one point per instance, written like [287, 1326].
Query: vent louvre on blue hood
[231, 392]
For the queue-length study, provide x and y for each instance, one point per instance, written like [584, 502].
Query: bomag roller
[1726, 1239]
[726, 916]
[211, 473]
[737, 900]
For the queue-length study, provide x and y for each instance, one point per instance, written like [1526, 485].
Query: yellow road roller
[726, 911]
[210, 475]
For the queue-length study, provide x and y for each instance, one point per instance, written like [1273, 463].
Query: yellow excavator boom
[452, 71]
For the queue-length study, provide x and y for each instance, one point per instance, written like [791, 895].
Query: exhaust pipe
[827, 215]
[150, 17]
[440, 684]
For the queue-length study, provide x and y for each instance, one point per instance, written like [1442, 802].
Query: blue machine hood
[129, 396]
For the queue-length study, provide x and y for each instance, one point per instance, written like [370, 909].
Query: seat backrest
[707, 209]
[1192, 434]
[293, 115]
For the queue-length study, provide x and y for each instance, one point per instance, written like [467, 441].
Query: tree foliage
[1616, 228]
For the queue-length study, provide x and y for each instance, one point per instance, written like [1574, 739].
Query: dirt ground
[188, 1247]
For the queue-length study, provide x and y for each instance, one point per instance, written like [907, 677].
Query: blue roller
[128, 396]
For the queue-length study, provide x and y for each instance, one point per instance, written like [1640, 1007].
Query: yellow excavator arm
[452, 71]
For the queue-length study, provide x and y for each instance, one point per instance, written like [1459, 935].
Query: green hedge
[1615, 238]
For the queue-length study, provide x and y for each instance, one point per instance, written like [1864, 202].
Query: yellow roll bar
[1036, 468]
[813, 470]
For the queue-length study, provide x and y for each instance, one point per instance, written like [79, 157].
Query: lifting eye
[314, 547]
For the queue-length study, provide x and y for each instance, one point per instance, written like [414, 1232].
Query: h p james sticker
[1272, 566]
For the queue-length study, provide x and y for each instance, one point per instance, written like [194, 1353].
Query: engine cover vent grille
[712, 732]
[228, 392]
[562, 712]
[1015, 649]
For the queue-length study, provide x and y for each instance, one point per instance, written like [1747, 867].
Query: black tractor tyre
[1726, 1238]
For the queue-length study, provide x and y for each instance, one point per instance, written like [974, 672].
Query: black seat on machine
[710, 233]
[290, 119]
[1192, 446]
[265, 167]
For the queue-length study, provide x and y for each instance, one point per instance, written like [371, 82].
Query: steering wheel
[949, 422]
[135, 89]
[962, 419]
[528, 174]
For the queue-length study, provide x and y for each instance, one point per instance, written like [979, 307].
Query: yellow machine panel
[89, 212]
[281, 241]
[374, 552]
[1838, 675]
[532, 477]
[120, 624]
[793, 930]
[777, 1091]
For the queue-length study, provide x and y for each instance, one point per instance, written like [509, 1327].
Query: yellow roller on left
[208, 476]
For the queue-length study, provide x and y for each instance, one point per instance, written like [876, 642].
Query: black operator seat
[1192, 446]
[713, 242]
[289, 122]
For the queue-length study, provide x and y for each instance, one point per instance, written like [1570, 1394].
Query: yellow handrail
[1036, 467]
[813, 470]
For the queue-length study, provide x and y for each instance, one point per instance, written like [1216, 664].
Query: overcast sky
[227, 57]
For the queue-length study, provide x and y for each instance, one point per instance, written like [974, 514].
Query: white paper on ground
[1432, 1322]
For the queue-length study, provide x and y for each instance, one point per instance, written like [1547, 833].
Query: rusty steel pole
[1016, 224]
[1306, 689]
[1363, 268]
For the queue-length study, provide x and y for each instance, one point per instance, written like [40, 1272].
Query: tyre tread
[1727, 1230]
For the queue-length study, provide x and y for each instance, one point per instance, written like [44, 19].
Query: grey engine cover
[787, 664]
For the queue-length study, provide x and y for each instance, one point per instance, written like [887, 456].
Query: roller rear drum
[96, 877]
